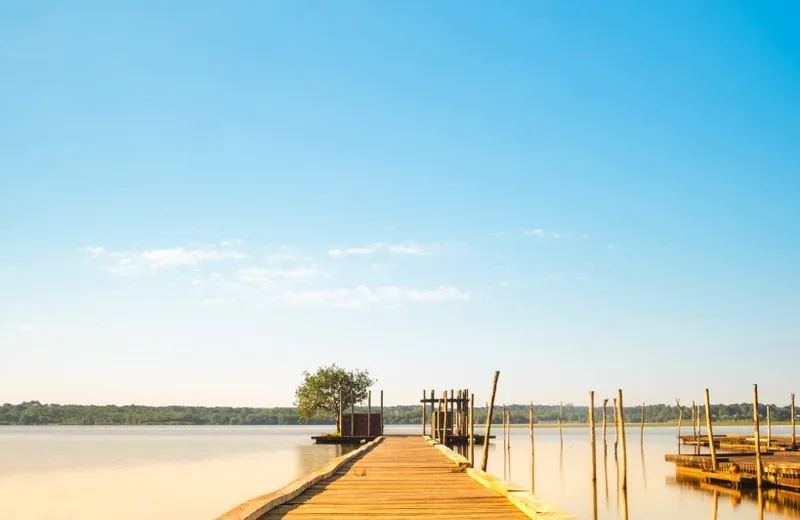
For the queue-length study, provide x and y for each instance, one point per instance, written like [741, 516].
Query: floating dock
[738, 470]
[741, 442]
[398, 477]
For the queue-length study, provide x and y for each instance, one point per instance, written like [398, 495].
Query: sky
[201, 200]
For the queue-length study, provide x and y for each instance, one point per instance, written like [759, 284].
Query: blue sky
[198, 201]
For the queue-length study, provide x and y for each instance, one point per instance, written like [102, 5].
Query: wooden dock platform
[398, 477]
[741, 442]
[780, 469]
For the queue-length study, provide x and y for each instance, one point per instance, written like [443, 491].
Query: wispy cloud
[409, 248]
[555, 235]
[362, 295]
[152, 260]
[271, 276]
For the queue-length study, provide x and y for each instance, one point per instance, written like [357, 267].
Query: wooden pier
[398, 477]
[739, 470]
[741, 442]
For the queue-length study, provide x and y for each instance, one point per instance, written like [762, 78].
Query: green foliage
[329, 390]
[36, 413]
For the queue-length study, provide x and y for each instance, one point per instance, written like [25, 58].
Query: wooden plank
[405, 477]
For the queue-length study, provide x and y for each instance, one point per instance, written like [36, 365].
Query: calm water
[187, 472]
[563, 477]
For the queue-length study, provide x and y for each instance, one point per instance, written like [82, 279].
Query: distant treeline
[34, 412]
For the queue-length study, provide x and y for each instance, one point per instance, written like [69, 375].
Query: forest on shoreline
[36, 413]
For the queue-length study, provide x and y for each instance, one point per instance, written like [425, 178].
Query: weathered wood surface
[402, 477]
[741, 469]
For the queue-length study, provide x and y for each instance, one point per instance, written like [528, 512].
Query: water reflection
[563, 478]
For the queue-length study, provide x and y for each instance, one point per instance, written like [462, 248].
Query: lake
[199, 472]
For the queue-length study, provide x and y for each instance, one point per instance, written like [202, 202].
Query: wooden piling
[694, 423]
[352, 415]
[592, 438]
[445, 421]
[433, 414]
[605, 426]
[382, 421]
[791, 409]
[560, 419]
[508, 442]
[439, 419]
[757, 428]
[424, 411]
[594, 454]
[680, 422]
[369, 413]
[641, 431]
[710, 433]
[616, 427]
[505, 440]
[472, 430]
[621, 426]
[769, 427]
[341, 413]
[488, 430]
[533, 448]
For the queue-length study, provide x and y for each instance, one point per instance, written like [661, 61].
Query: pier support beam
[710, 433]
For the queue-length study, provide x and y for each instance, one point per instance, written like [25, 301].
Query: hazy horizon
[201, 201]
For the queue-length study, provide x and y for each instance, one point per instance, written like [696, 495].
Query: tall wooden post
[769, 427]
[341, 413]
[710, 432]
[434, 422]
[641, 431]
[382, 421]
[444, 423]
[533, 448]
[616, 426]
[424, 411]
[560, 419]
[680, 422]
[592, 437]
[605, 425]
[488, 430]
[369, 413]
[694, 422]
[439, 419]
[594, 454]
[352, 415]
[621, 425]
[791, 409]
[505, 434]
[757, 432]
[472, 430]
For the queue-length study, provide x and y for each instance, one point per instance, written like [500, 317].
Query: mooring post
[434, 422]
[382, 421]
[472, 430]
[592, 436]
[769, 427]
[369, 413]
[444, 427]
[621, 425]
[340, 415]
[352, 415]
[757, 429]
[605, 426]
[594, 453]
[533, 448]
[710, 432]
[488, 430]
[560, 419]
[694, 423]
[641, 431]
[424, 411]
[680, 422]
[508, 444]
[616, 427]
[794, 438]
[439, 419]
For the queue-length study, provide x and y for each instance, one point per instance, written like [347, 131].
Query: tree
[319, 393]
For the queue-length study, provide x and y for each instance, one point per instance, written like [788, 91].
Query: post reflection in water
[644, 470]
[715, 506]
[605, 470]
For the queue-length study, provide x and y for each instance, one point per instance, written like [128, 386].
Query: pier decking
[739, 469]
[398, 477]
